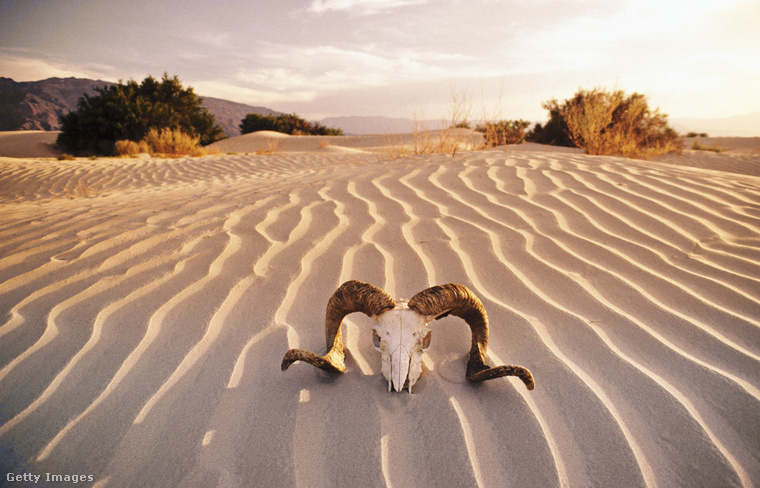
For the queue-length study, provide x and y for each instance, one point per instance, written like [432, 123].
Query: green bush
[503, 132]
[129, 111]
[603, 122]
[554, 132]
[285, 123]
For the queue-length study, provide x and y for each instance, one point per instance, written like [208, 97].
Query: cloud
[24, 65]
[360, 6]
[237, 91]
[331, 67]
[680, 52]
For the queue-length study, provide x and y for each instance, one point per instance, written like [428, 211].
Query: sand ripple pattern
[143, 323]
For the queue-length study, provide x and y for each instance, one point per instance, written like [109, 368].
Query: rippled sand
[146, 306]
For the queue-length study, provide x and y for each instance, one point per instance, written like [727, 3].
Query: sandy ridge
[154, 314]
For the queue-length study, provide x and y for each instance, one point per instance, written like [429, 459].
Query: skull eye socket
[426, 340]
[375, 339]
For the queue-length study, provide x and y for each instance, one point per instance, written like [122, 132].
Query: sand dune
[269, 141]
[146, 305]
[28, 144]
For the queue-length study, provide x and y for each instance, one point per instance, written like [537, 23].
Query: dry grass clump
[448, 140]
[503, 132]
[273, 146]
[603, 122]
[454, 134]
[174, 142]
[698, 146]
[165, 142]
[130, 148]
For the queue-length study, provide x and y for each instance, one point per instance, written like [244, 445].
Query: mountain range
[36, 105]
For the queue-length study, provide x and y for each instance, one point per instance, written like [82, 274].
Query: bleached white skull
[402, 334]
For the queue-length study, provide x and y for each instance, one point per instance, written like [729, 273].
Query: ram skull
[401, 333]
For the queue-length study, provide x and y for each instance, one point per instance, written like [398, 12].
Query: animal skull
[402, 333]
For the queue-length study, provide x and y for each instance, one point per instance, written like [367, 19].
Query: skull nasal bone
[400, 358]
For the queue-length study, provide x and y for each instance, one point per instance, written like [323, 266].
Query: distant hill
[36, 105]
[739, 126]
[230, 114]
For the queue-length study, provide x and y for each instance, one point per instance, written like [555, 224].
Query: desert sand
[28, 144]
[147, 303]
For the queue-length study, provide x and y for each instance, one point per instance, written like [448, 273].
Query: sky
[401, 58]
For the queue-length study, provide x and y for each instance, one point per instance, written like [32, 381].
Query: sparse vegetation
[174, 143]
[287, 124]
[65, 157]
[129, 111]
[273, 145]
[698, 146]
[604, 122]
[453, 136]
[697, 134]
[130, 148]
[423, 141]
[164, 142]
[503, 132]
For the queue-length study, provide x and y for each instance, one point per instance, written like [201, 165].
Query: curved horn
[439, 301]
[351, 296]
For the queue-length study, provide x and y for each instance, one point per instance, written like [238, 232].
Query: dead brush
[609, 123]
[165, 142]
[127, 148]
[698, 146]
[174, 142]
[453, 136]
[273, 146]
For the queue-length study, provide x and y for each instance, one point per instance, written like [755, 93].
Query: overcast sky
[401, 58]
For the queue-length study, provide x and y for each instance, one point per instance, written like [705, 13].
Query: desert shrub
[285, 123]
[164, 142]
[128, 111]
[554, 132]
[698, 146]
[173, 142]
[697, 134]
[503, 132]
[126, 147]
[603, 122]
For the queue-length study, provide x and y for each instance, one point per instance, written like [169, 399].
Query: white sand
[146, 306]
